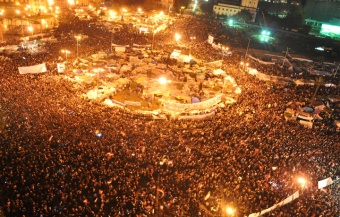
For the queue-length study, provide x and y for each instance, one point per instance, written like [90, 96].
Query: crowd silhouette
[63, 156]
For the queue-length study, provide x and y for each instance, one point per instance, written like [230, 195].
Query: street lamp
[163, 81]
[78, 37]
[222, 51]
[177, 37]
[191, 38]
[285, 57]
[247, 49]
[153, 38]
[230, 211]
[302, 182]
[2, 11]
[66, 52]
[30, 28]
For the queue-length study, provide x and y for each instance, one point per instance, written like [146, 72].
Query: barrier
[321, 184]
[179, 107]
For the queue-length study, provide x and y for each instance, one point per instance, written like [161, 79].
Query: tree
[244, 16]
[207, 7]
[318, 82]
[294, 18]
[180, 3]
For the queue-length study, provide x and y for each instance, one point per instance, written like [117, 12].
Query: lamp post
[153, 38]
[285, 57]
[222, 51]
[302, 182]
[163, 81]
[30, 28]
[78, 37]
[66, 52]
[245, 57]
[177, 37]
[2, 11]
[191, 38]
[336, 71]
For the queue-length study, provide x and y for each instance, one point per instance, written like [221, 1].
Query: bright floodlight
[263, 32]
[302, 181]
[231, 22]
[177, 36]
[163, 81]
[230, 211]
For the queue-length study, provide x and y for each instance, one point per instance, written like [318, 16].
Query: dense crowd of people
[63, 156]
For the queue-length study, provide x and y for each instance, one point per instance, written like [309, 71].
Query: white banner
[120, 49]
[284, 202]
[138, 48]
[175, 54]
[40, 68]
[61, 67]
[117, 45]
[325, 182]
[197, 117]
[179, 107]
[141, 45]
[138, 104]
[260, 61]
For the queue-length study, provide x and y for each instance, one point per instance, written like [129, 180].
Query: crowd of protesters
[63, 156]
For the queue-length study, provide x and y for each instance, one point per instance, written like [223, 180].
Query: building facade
[233, 9]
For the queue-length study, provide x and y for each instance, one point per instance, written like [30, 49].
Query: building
[324, 17]
[26, 17]
[232, 8]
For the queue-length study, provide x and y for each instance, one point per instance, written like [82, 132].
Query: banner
[179, 107]
[284, 202]
[132, 103]
[210, 39]
[216, 64]
[325, 182]
[117, 45]
[120, 49]
[141, 45]
[61, 67]
[260, 61]
[175, 54]
[138, 48]
[40, 68]
[196, 117]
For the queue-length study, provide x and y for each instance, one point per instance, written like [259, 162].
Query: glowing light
[177, 36]
[195, 5]
[231, 22]
[330, 30]
[98, 134]
[320, 48]
[163, 81]
[230, 211]
[302, 181]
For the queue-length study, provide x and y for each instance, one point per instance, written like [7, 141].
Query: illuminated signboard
[330, 30]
